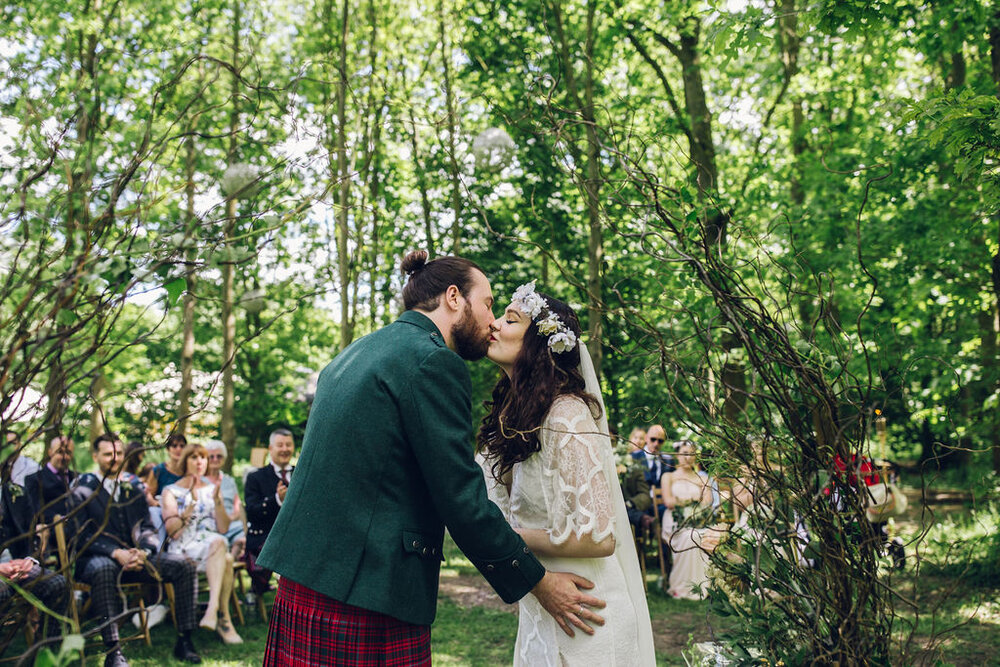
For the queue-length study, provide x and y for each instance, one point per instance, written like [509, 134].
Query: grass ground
[474, 627]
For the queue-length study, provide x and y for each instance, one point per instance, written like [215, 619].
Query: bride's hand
[559, 593]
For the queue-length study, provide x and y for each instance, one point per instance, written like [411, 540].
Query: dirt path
[670, 635]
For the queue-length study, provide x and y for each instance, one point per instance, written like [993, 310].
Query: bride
[549, 465]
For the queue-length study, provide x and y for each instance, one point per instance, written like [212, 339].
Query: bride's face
[507, 336]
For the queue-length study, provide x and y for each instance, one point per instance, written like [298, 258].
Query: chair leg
[144, 621]
[659, 553]
[262, 608]
[234, 598]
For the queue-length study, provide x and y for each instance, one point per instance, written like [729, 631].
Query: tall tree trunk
[80, 172]
[228, 426]
[995, 262]
[187, 340]
[344, 191]
[701, 144]
[425, 202]
[455, 173]
[591, 172]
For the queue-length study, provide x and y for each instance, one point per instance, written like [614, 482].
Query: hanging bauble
[493, 149]
[240, 181]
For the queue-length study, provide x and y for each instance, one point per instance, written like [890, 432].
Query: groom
[386, 465]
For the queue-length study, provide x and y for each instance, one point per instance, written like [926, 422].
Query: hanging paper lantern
[240, 180]
[493, 149]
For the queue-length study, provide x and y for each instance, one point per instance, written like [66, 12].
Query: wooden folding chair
[655, 532]
[66, 566]
[239, 568]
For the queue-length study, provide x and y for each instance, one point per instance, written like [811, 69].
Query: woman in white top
[550, 467]
[686, 524]
[194, 516]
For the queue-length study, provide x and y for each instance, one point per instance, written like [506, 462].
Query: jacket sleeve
[436, 412]
[261, 506]
[638, 489]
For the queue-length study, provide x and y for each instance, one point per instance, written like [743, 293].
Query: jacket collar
[421, 321]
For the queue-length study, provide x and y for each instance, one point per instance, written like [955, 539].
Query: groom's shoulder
[411, 333]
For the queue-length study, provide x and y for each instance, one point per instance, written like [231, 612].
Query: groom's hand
[559, 593]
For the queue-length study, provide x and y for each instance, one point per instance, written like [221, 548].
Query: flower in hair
[548, 325]
[529, 302]
[561, 337]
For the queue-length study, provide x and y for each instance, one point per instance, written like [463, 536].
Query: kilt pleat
[311, 629]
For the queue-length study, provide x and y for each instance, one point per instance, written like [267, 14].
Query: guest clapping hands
[194, 515]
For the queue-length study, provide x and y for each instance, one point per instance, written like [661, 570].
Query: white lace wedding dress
[570, 488]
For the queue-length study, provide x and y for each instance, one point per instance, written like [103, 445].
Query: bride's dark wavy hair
[508, 433]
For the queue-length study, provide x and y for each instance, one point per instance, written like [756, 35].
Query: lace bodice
[562, 489]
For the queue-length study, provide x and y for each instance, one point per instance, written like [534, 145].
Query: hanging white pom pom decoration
[240, 180]
[253, 301]
[493, 149]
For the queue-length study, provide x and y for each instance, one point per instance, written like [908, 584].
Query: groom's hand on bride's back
[559, 593]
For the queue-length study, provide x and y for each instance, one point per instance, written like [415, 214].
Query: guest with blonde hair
[195, 515]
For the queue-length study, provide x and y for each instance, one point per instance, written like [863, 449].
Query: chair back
[258, 457]
[657, 500]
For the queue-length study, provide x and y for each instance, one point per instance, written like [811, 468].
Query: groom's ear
[452, 299]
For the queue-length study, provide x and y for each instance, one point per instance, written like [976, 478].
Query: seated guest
[638, 501]
[49, 587]
[16, 466]
[687, 524]
[265, 492]
[118, 541]
[134, 454]
[194, 516]
[217, 453]
[657, 463]
[48, 490]
[170, 471]
[17, 506]
[636, 441]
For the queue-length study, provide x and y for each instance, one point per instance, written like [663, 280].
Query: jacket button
[490, 568]
[416, 545]
[515, 563]
[525, 550]
[425, 551]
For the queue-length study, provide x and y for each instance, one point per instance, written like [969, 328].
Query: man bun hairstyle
[427, 281]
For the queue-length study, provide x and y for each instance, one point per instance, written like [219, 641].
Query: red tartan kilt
[309, 628]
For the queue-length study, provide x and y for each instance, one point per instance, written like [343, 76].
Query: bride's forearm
[574, 547]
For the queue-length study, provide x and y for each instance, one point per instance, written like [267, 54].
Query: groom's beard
[470, 343]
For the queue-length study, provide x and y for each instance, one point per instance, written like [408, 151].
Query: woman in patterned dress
[194, 515]
[550, 467]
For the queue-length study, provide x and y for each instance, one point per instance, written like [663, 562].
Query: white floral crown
[529, 302]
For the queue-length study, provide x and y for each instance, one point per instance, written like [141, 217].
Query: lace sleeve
[574, 450]
[495, 491]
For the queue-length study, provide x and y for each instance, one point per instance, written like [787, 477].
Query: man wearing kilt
[386, 465]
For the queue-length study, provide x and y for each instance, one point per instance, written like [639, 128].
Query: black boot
[184, 648]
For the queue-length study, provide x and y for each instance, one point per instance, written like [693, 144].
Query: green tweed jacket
[386, 464]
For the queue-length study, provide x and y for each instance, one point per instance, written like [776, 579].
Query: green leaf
[174, 289]
[65, 316]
